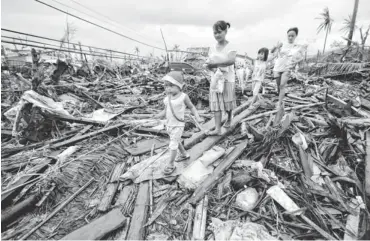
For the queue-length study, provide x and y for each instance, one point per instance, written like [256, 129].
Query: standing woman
[222, 57]
[285, 62]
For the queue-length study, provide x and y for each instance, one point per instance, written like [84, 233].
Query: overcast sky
[254, 24]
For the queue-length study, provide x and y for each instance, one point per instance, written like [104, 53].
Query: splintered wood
[200, 219]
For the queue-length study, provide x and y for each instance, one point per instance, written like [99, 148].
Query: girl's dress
[225, 101]
[285, 57]
[258, 76]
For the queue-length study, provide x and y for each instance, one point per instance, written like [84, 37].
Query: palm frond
[327, 21]
[347, 24]
[338, 68]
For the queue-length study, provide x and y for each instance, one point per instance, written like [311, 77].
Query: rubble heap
[81, 151]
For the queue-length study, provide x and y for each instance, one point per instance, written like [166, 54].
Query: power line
[59, 41]
[97, 25]
[62, 48]
[65, 50]
[113, 21]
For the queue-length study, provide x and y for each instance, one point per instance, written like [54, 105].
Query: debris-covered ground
[82, 158]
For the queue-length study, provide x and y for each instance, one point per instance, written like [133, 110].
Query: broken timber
[343, 104]
[206, 144]
[72, 119]
[211, 124]
[111, 189]
[88, 135]
[7, 196]
[211, 180]
[12, 213]
[200, 219]
[268, 113]
[100, 227]
[140, 215]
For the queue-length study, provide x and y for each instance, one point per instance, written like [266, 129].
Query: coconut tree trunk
[353, 22]
[326, 36]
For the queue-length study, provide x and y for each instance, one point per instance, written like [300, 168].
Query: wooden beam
[343, 104]
[197, 150]
[200, 219]
[365, 103]
[6, 198]
[5, 152]
[111, 189]
[360, 122]
[213, 179]
[211, 124]
[12, 213]
[100, 227]
[140, 215]
[158, 132]
[268, 113]
[88, 135]
[72, 119]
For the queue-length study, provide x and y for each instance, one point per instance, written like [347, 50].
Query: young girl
[259, 70]
[176, 102]
[222, 57]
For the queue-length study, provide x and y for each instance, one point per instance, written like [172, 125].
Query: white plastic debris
[300, 140]
[247, 199]
[234, 230]
[199, 170]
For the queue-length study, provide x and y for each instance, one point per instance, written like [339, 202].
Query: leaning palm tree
[325, 24]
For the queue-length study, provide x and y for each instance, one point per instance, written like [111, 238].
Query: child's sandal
[181, 158]
[227, 124]
[169, 170]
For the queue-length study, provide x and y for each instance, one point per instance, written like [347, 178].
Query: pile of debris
[81, 152]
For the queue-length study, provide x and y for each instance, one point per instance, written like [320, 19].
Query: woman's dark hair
[295, 29]
[265, 52]
[221, 25]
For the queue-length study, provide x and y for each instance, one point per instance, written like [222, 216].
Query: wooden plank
[365, 103]
[145, 146]
[343, 104]
[140, 215]
[212, 179]
[111, 189]
[122, 232]
[197, 150]
[100, 227]
[14, 212]
[367, 164]
[360, 122]
[268, 113]
[211, 124]
[124, 195]
[72, 119]
[6, 152]
[88, 135]
[159, 132]
[200, 219]
[6, 197]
